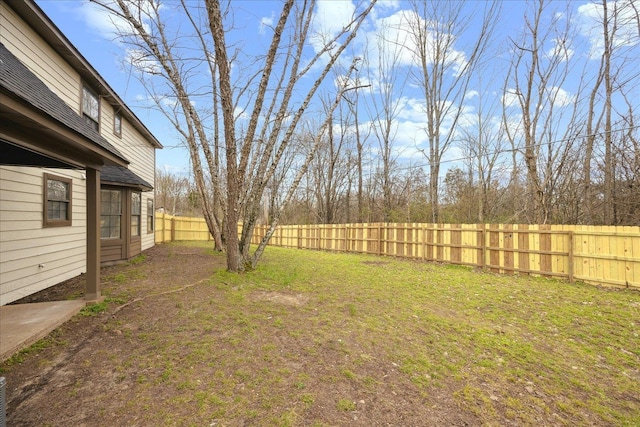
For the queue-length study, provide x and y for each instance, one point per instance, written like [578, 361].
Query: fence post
[570, 267]
[424, 242]
[346, 238]
[173, 229]
[481, 254]
[429, 242]
[440, 242]
[164, 228]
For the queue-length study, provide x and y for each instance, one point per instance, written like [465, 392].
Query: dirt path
[65, 383]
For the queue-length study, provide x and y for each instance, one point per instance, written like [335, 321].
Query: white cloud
[265, 22]
[170, 102]
[329, 19]
[560, 97]
[409, 127]
[510, 98]
[409, 136]
[471, 94]
[560, 50]
[332, 16]
[142, 61]
[391, 42]
[412, 109]
[109, 25]
[589, 24]
[240, 114]
[101, 20]
[386, 5]
[556, 96]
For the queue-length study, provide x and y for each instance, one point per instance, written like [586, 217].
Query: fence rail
[604, 255]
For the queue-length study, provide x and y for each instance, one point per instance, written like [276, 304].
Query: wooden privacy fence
[171, 228]
[594, 254]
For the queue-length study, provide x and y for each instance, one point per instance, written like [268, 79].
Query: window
[57, 201]
[91, 107]
[110, 214]
[136, 210]
[149, 216]
[117, 125]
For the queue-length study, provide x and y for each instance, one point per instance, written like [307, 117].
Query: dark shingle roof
[18, 80]
[123, 176]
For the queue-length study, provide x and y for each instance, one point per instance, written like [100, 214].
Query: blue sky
[90, 31]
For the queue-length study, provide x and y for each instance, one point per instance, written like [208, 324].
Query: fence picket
[599, 255]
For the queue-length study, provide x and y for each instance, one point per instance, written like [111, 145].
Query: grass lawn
[317, 338]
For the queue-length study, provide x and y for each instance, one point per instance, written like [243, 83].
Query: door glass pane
[135, 203]
[111, 214]
[135, 213]
[135, 225]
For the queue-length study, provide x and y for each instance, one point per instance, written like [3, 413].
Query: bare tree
[361, 135]
[281, 178]
[626, 169]
[261, 93]
[443, 72]
[329, 169]
[171, 191]
[616, 75]
[160, 58]
[387, 78]
[544, 112]
[483, 142]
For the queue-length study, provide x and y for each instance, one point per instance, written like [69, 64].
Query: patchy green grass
[318, 338]
[93, 309]
[50, 340]
[513, 348]
[137, 259]
[346, 405]
[97, 308]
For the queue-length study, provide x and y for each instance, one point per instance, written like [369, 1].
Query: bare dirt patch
[166, 351]
[295, 300]
[304, 342]
[375, 263]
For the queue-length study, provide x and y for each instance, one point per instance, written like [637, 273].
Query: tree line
[308, 130]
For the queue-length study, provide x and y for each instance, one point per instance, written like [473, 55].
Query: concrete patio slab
[23, 324]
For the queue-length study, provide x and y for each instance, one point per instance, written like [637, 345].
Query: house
[77, 166]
